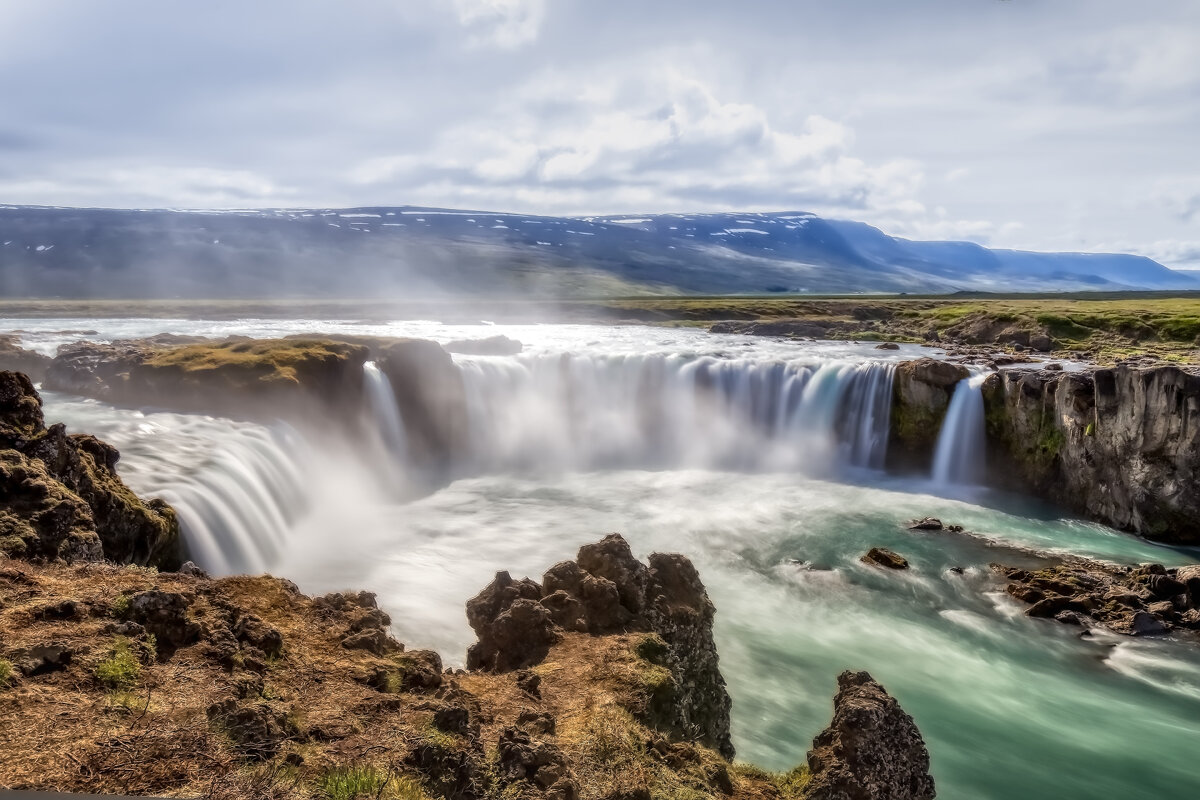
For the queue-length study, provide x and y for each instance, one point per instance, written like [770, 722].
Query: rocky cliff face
[60, 496]
[1120, 446]
[606, 590]
[921, 392]
[871, 751]
[429, 390]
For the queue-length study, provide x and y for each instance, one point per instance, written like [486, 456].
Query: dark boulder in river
[882, 557]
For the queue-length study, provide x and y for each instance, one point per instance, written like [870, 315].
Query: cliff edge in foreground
[61, 497]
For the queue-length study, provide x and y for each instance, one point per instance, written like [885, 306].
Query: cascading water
[236, 509]
[959, 457]
[385, 412]
[594, 412]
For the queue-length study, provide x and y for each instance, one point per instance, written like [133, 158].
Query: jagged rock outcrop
[871, 751]
[1137, 601]
[921, 392]
[61, 497]
[607, 590]
[1120, 445]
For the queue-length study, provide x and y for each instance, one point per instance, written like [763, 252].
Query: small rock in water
[887, 346]
[1144, 624]
[883, 557]
[926, 524]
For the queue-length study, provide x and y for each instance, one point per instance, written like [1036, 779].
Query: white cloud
[503, 23]
[185, 186]
[651, 140]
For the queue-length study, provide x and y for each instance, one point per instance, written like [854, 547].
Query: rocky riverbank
[1145, 600]
[123, 679]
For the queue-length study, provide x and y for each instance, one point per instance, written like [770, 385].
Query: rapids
[760, 460]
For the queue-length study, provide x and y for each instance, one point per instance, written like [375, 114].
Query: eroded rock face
[921, 392]
[430, 392]
[607, 590]
[871, 751]
[61, 497]
[1121, 446]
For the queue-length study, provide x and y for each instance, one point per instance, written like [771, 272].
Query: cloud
[503, 23]
[180, 186]
[648, 140]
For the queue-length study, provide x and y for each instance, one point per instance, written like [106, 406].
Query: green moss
[652, 648]
[266, 361]
[121, 670]
[916, 425]
[6, 673]
[440, 739]
[120, 607]
[13, 546]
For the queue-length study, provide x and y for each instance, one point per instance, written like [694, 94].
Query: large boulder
[871, 751]
[61, 497]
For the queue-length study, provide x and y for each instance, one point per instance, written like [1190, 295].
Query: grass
[790, 784]
[274, 360]
[6, 673]
[121, 671]
[358, 782]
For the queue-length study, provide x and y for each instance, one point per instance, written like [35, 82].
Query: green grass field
[1105, 326]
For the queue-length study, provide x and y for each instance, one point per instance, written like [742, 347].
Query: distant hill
[410, 252]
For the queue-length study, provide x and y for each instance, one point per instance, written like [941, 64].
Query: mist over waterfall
[629, 411]
[959, 457]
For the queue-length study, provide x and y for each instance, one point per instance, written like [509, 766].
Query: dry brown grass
[67, 731]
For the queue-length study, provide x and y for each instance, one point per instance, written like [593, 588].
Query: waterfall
[631, 411]
[959, 458]
[381, 401]
[236, 509]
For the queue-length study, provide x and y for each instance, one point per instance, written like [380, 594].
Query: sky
[1034, 124]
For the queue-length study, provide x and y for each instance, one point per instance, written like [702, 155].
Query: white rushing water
[959, 456]
[591, 412]
[762, 464]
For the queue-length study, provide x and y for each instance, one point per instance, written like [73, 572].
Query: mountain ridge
[416, 251]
